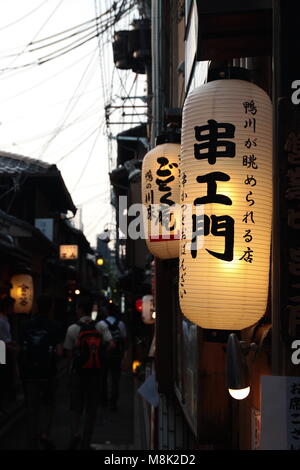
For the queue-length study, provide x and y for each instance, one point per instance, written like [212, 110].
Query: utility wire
[70, 29]
[84, 116]
[48, 78]
[77, 146]
[44, 59]
[40, 29]
[23, 17]
[87, 161]
[67, 112]
[93, 198]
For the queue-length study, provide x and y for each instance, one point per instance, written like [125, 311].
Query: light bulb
[239, 394]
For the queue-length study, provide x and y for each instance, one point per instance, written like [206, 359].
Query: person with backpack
[114, 357]
[85, 343]
[40, 345]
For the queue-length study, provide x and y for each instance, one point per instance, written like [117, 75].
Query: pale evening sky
[55, 111]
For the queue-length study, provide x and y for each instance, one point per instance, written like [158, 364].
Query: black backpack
[114, 329]
[89, 349]
[37, 354]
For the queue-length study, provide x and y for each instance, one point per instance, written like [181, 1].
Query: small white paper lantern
[226, 194]
[22, 292]
[148, 312]
[160, 196]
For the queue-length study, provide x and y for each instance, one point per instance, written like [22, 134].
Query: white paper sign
[46, 227]
[280, 413]
[148, 390]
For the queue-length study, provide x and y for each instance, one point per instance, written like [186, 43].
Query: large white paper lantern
[148, 311]
[160, 196]
[226, 193]
[22, 292]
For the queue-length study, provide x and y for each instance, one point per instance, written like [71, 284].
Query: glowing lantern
[160, 196]
[139, 305]
[148, 310]
[22, 292]
[135, 366]
[226, 193]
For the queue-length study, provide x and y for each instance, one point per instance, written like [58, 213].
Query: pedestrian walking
[113, 357]
[6, 370]
[41, 345]
[85, 343]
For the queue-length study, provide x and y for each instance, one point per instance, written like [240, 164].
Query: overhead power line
[24, 16]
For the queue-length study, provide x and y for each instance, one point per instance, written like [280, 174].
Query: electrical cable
[76, 146]
[66, 49]
[23, 17]
[66, 113]
[69, 29]
[46, 59]
[87, 162]
[81, 118]
[92, 198]
[40, 29]
[47, 79]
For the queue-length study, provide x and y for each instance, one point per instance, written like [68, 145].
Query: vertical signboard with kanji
[286, 231]
[280, 413]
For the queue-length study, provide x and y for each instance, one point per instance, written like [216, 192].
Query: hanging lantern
[148, 312]
[226, 194]
[22, 292]
[139, 305]
[160, 196]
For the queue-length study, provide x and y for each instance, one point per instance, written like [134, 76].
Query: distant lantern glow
[226, 197]
[135, 366]
[77, 291]
[148, 310]
[100, 261]
[139, 305]
[22, 292]
[239, 394]
[160, 196]
[68, 252]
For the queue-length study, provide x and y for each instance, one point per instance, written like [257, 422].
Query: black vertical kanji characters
[211, 137]
[250, 107]
[249, 161]
[166, 218]
[247, 256]
[248, 237]
[219, 226]
[250, 142]
[149, 198]
[296, 433]
[200, 227]
[250, 123]
[165, 173]
[295, 388]
[248, 217]
[148, 176]
[250, 180]
[249, 199]
[212, 195]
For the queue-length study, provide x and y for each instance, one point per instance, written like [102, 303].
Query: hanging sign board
[280, 413]
[68, 252]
